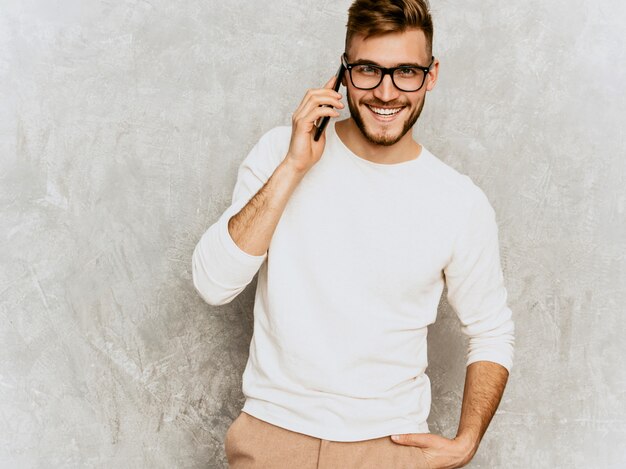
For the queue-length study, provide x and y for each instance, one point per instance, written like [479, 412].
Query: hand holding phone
[304, 148]
[325, 119]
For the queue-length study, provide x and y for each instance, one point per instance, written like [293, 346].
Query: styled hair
[377, 17]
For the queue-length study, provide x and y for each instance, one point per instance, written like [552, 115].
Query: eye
[407, 72]
[366, 69]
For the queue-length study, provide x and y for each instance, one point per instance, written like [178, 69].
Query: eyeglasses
[368, 76]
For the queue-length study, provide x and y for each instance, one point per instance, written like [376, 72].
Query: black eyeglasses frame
[385, 71]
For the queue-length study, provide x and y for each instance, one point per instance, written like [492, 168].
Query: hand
[304, 152]
[440, 452]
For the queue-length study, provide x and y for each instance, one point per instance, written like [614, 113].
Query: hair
[377, 17]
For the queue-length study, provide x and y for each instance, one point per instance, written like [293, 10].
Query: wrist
[294, 168]
[468, 443]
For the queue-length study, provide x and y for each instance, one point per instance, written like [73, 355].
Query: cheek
[359, 96]
[352, 96]
[417, 102]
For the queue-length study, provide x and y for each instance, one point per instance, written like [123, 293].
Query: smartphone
[325, 119]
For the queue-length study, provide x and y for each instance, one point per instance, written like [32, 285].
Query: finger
[307, 122]
[421, 440]
[318, 113]
[315, 114]
[313, 93]
[317, 101]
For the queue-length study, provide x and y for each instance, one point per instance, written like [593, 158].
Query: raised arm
[252, 228]
[233, 249]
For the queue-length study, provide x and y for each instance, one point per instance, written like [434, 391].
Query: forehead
[390, 49]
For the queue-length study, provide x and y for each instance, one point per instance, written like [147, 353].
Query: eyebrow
[371, 62]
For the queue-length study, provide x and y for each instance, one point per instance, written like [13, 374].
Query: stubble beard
[384, 139]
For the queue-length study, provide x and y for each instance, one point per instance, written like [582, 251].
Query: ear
[433, 74]
[343, 77]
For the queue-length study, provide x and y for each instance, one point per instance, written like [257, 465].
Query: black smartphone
[325, 119]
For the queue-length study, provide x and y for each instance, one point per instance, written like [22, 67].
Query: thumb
[421, 440]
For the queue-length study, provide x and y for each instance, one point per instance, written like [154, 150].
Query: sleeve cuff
[506, 360]
[237, 266]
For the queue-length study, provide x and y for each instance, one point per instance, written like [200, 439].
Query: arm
[475, 286]
[233, 249]
[476, 291]
[223, 264]
[484, 385]
[252, 228]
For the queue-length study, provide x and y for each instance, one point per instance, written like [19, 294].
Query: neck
[404, 150]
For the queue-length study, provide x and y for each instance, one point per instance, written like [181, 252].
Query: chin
[383, 133]
[382, 137]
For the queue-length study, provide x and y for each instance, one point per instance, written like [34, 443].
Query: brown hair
[376, 17]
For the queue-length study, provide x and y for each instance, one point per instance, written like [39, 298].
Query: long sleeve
[220, 269]
[476, 287]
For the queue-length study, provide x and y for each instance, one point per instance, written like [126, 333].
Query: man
[353, 237]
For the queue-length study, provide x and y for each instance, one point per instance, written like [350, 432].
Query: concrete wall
[122, 125]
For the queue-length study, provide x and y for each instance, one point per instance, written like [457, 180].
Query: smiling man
[382, 114]
[353, 237]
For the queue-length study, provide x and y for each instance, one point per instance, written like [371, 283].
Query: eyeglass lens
[406, 78]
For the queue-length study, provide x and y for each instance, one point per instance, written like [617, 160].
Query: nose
[386, 91]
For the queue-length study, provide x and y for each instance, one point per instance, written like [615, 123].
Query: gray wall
[122, 125]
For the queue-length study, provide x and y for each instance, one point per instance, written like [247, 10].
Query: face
[389, 50]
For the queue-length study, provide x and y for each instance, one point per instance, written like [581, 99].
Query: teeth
[385, 112]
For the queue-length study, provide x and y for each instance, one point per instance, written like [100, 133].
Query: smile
[385, 114]
[385, 111]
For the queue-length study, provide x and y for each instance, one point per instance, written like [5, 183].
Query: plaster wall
[122, 125]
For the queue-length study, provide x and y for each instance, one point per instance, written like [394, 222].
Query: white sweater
[352, 278]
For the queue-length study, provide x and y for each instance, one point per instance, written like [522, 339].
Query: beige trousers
[251, 443]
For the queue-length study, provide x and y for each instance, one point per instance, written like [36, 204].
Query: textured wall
[122, 124]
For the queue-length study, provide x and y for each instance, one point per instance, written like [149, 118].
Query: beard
[384, 138]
